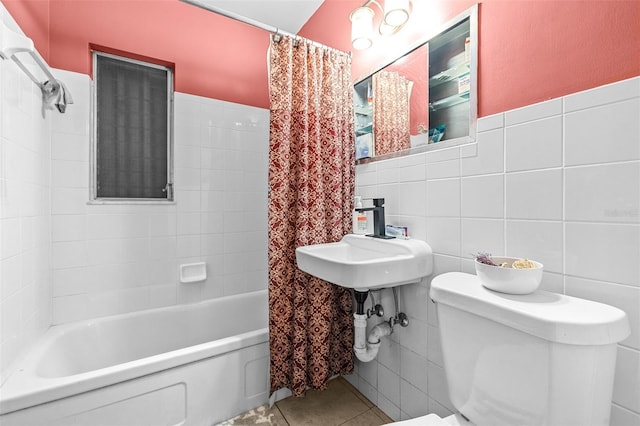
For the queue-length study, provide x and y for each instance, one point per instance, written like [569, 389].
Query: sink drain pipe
[366, 348]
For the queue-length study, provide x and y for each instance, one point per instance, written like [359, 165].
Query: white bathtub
[182, 365]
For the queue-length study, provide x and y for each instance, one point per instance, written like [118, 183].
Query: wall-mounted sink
[365, 263]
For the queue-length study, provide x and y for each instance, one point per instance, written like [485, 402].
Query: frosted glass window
[133, 112]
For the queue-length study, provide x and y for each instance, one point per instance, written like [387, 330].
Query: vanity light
[396, 12]
[361, 28]
[385, 29]
[395, 15]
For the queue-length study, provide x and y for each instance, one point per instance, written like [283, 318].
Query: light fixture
[361, 28]
[395, 14]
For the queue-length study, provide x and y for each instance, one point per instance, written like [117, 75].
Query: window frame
[93, 165]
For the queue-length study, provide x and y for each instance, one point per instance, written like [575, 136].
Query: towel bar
[12, 43]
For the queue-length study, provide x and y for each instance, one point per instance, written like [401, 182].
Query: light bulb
[361, 28]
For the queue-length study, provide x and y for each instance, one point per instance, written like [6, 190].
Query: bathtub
[194, 364]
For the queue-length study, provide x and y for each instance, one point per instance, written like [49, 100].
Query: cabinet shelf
[449, 101]
[365, 129]
[449, 74]
[363, 110]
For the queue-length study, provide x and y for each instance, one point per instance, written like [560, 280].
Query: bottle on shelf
[467, 49]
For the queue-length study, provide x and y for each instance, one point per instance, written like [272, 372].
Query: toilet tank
[536, 359]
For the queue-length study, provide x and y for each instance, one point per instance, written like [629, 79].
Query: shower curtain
[391, 103]
[311, 180]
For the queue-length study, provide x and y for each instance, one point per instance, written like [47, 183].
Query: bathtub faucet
[379, 227]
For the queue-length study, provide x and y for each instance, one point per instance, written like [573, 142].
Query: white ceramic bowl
[509, 280]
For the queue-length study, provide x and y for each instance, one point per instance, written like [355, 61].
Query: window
[132, 130]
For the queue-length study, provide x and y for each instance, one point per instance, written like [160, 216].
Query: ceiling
[289, 15]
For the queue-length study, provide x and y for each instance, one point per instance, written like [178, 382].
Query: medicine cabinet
[424, 100]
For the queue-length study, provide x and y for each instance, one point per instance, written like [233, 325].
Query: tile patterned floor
[340, 405]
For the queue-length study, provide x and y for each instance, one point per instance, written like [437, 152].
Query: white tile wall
[438, 386]
[25, 208]
[540, 240]
[443, 197]
[485, 157]
[626, 392]
[557, 181]
[603, 193]
[534, 195]
[482, 235]
[444, 235]
[602, 134]
[110, 259]
[482, 196]
[414, 401]
[534, 145]
[389, 384]
[601, 251]
[414, 369]
[533, 112]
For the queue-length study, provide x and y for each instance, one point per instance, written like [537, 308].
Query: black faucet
[379, 228]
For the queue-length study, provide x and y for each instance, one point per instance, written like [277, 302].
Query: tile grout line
[371, 407]
[281, 414]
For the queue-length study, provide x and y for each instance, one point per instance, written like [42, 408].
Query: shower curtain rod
[254, 23]
[237, 17]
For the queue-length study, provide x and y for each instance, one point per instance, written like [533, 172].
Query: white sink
[366, 263]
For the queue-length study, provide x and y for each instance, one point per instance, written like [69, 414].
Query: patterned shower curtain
[311, 179]
[391, 103]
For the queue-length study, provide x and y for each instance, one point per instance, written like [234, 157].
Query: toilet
[536, 359]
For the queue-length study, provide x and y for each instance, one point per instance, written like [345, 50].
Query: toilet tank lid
[550, 316]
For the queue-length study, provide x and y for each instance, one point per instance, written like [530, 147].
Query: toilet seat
[433, 420]
[428, 420]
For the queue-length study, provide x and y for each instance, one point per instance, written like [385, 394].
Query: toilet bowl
[536, 359]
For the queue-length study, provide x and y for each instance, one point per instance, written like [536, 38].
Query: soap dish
[193, 272]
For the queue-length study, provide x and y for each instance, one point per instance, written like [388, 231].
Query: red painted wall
[214, 56]
[414, 69]
[530, 50]
[33, 18]
[541, 50]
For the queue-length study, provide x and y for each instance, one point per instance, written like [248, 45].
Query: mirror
[424, 100]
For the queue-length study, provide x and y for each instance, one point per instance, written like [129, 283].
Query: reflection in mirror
[449, 83]
[391, 105]
[424, 100]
